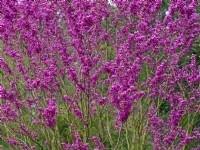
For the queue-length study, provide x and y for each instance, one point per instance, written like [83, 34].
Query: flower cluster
[49, 113]
[100, 67]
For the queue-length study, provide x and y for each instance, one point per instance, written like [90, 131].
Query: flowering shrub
[87, 75]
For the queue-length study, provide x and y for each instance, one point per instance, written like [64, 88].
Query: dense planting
[87, 75]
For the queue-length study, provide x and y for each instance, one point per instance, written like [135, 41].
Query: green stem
[118, 140]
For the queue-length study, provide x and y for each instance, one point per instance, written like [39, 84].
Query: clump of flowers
[99, 75]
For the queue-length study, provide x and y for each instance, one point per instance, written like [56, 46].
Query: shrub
[87, 75]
